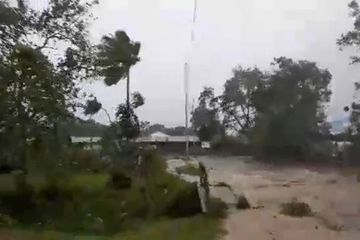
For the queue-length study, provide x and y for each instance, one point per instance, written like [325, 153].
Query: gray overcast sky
[228, 33]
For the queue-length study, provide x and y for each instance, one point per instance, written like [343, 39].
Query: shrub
[119, 180]
[86, 160]
[6, 221]
[242, 202]
[185, 203]
[18, 203]
[231, 145]
[296, 209]
[52, 191]
[217, 208]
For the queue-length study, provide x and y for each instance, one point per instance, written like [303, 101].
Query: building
[87, 143]
[167, 142]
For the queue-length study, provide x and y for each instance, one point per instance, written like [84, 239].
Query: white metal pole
[186, 80]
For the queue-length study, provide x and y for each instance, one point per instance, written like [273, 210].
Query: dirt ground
[333, 195]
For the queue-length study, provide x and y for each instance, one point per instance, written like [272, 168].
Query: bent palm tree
[116, 56]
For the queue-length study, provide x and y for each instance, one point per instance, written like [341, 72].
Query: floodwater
[333, 196]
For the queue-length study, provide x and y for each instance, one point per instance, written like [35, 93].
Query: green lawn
[194, 228]
[92, 181]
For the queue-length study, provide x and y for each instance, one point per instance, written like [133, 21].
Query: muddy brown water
[333, 196]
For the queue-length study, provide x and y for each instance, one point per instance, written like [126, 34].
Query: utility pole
[186, 81]
[186, 85]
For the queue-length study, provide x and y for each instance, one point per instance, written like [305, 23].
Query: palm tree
[116, 56]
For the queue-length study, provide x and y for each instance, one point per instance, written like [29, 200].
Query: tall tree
[237, 99]
[205, 117]
[117, 54]
[36, 89]
[290, 106]
[352, 39]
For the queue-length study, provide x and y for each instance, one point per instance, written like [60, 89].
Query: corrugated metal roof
[85, 139]
[168, 139]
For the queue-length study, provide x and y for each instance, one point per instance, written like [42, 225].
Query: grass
[95, 182]
[7, 182]
[90, 181]
[193, 228]
[79, 205]
[188, 169]
[198, 227]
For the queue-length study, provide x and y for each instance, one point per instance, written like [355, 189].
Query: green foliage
[116, 56]
[81, 128]
[127, 123]
[86, 160]
[237, 100]
[351, 38]
[36, 93]
[193, 228]
[290, 108]
[231, 145]
[17, 203]
[186, 203]
[119, 180]
[99, 203]
[88, 182]
[52, 191]
[6, 221]
[280, 112]
[92, 106]
[205, 118]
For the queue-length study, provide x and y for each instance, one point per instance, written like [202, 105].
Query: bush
[242, 202]
[231, 145]
[217, 208]
[52, 191]
[6, 221]
[185, 203]
[296, 209]
[86, 160]
[119, 180]
[17, 204]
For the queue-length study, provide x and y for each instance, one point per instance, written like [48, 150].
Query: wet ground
[333, 196]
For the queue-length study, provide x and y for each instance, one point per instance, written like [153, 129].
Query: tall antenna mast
[186, 80]
[186, 87]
